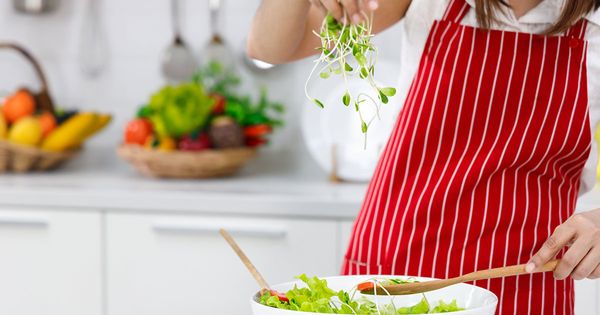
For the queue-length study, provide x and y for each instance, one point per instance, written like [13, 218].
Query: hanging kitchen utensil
[178, 61]
[93, 50]
[421, 287]
[217, 49]
[35, 6]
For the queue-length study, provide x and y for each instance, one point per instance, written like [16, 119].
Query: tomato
[256, 131]
[280, 296]
[365, 286]
[137, 131]
[18, 105]
[255, 142]
[219, 107]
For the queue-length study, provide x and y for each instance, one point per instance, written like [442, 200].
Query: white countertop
[273, 185]
[267, 187]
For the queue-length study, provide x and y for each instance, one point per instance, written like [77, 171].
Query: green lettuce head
[179, 110]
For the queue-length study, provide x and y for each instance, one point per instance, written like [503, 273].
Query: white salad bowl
[475, 300]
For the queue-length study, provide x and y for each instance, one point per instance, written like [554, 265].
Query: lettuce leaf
[317, 297]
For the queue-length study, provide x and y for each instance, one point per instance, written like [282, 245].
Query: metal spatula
[421, 287]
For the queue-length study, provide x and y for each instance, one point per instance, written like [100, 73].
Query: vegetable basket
[20, 158]
[185, 164]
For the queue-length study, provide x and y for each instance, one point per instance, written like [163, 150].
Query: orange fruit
[48, 123]
[19, 105]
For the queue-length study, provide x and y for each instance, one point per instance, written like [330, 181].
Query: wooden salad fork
[421, 287]
[264, 286]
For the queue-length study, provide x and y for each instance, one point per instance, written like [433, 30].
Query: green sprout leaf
[384, 99]
[324, 74]
[348, 67]
[346, 99]
[364, 127]
[319, 103]
[388, 91]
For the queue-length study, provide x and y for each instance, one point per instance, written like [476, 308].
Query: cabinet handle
[272, 232]
[31, 221]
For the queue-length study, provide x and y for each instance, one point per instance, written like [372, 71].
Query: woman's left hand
[581, 233]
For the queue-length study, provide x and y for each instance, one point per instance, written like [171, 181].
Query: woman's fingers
[556, 242]
[352, 10]
[573, 257]
[589, 264]
[334, 8]
[371, 4]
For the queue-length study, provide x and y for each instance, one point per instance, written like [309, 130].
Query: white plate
[339, 126]
[475, 300]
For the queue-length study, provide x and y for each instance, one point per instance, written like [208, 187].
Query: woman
[492, 147]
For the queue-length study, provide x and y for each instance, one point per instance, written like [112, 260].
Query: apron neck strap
[578, 29]
[456, 11]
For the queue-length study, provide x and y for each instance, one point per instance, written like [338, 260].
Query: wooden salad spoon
[251, 268]
[421, 287]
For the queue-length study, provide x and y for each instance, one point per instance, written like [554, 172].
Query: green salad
[317, 297]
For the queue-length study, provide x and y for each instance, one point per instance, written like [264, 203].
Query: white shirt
[422, 13]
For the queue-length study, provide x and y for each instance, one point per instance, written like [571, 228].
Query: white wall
[138, 31]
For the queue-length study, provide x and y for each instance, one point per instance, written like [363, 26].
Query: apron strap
[578, 29]
[456, 11]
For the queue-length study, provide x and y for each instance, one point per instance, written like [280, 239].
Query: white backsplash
[138, 31]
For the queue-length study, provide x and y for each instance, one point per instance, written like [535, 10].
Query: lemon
[26, 131]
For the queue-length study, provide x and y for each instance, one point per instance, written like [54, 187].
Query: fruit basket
[198, 129]
[34, 136]
[185, 164]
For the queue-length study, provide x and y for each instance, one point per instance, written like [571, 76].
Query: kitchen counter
[273, 185]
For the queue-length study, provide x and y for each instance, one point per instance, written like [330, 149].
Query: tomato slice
[365, 286]
[280, 296]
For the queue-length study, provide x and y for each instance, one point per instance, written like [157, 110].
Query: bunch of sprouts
[346, 51]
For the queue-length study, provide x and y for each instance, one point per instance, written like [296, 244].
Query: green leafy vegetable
[178, 110]
[317, 297]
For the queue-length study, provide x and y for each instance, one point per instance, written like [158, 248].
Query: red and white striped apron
[483, 163]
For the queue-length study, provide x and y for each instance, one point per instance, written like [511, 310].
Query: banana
[71, 133]
[102, 121]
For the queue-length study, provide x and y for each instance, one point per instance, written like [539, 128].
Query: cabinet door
[50, 263]
[180, 265]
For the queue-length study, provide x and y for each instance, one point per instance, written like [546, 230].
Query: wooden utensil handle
[507, 271]
[249, 265]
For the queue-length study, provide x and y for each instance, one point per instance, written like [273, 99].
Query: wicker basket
[18, 158]
[185, 164]
[21, 159]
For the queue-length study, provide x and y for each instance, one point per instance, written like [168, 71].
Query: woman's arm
[282, 30]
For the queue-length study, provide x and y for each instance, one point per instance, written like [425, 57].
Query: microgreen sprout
[346, 51]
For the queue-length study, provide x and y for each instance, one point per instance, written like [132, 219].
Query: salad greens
[178, 110]
[317, 297]
[346, 50]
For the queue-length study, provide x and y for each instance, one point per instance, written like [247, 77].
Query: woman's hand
[354, 8]
[581, 233]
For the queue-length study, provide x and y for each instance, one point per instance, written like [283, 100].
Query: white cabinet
[179, 265]
[49, 263]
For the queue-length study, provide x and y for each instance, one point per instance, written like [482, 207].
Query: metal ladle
[178, 62]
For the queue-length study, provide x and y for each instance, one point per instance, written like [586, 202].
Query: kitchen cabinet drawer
[50, 263]
[180, 265]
